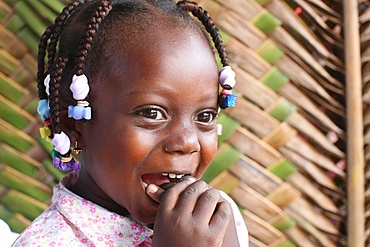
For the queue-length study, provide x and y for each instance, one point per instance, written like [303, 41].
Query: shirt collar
[95, 221]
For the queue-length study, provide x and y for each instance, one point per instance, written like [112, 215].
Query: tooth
[165, 174]
[180, 176]
[172, 175]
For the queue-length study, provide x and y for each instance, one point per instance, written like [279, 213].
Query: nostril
[182, 149]
[182, 140]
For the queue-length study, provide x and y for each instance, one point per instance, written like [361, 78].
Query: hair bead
[43, 109]
[227, 91]
[227, 77]
[79, 112]
[45, 132]
[66, 164]
[61, 143]
[46, 83]
[227, 82]
[80, 87]
[227, 100]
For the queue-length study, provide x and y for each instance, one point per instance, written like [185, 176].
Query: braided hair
[81, 32]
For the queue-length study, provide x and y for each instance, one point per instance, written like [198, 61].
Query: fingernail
[152, 188]
[191, 179]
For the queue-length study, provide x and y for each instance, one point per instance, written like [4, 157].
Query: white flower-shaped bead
[61, 143]
[227, 77]
[80, 87]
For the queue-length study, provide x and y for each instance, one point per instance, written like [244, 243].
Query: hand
[192, 214]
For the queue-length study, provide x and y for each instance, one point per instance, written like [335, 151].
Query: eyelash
[212, 117]
[152, 113]
[148, 113]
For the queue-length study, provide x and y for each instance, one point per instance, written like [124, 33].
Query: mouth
[164, 180]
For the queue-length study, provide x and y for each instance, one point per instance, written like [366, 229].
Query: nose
[182, 140]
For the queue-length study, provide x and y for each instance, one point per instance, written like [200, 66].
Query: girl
[134, 86]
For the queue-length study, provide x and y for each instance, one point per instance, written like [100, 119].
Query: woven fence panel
[281, 155]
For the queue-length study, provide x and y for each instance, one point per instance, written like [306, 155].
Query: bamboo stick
[355, 144]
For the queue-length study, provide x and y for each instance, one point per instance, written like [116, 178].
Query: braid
[41, 63]
[92, 26]
[52, 33]
[55, 79]
[59, 21]
[208, 23]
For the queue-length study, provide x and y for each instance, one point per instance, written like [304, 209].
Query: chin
[146, 214]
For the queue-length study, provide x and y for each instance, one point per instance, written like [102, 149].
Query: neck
[87, 188]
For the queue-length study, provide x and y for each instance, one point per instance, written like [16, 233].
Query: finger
[206, 205]
[170, 196]
[221, 217]
[190, 196]
[154, 192]
[231, 235]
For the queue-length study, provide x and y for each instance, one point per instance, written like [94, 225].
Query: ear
[69, 127]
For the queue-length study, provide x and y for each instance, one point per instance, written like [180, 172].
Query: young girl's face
[154, 109]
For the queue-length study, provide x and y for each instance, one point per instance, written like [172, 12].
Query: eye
[206, 117]
[152, 113]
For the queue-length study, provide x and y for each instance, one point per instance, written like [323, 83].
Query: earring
[77, 150]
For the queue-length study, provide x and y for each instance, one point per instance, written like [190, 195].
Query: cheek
[209, 149]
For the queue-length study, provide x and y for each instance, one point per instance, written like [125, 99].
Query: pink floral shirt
[75, 221]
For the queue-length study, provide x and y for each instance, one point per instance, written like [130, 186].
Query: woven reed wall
[282, 153]
[285, 136]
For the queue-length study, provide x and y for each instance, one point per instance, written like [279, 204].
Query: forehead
[166, 62]
[160, 46]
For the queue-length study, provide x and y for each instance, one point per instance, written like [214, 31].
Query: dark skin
[154, 112]
[197, 202]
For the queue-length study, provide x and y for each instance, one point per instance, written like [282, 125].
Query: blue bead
[87, 113]
[70, 111]
[230, 100]
[43, 109]
[79, 112]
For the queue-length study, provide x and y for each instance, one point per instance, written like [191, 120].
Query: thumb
[154, 192]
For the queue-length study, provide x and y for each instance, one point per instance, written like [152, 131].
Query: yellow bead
[45, 132]
[66, 159]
